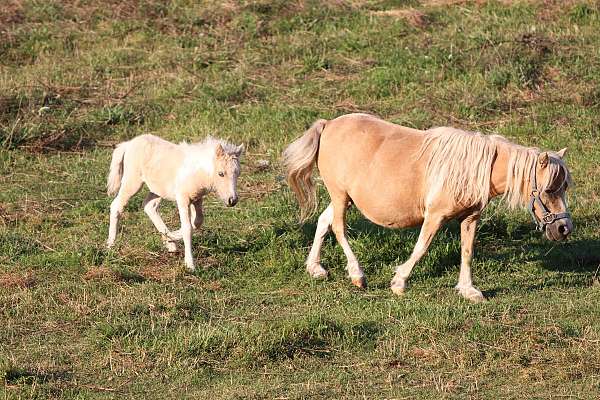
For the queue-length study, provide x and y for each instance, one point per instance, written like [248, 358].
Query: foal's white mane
[201, 154]
[461, 162]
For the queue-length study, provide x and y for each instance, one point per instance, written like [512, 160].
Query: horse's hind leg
[467, 237]
[130, 184]
[313, 262]
[431, 224]
[151, 203]
[340, 204]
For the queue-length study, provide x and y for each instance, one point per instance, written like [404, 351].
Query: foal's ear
[219, 152]
[561, 153]
[543, 159]
[239, 150]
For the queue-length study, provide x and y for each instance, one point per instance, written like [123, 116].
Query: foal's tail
[116, 169]
[299, 159]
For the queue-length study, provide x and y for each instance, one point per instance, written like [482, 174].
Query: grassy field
[79, 321]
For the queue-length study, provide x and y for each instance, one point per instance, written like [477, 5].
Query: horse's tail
[299, 159]
[116, 169]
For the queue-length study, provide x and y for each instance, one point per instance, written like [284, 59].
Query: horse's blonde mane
[461, 162]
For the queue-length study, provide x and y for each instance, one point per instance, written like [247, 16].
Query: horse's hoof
[316, 271]
[472, 294]
[360, 282]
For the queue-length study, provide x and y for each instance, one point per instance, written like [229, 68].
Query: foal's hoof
[316, 271]
[171, 247]
[471, 294]
[360, 282]
[397, 290]
[190, 268]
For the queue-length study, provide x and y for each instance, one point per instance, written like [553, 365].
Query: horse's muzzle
[559, 229]
[232, 201]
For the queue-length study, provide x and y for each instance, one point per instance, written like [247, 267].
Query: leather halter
[547, 216]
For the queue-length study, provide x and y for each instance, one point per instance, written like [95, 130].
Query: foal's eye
[221, 174]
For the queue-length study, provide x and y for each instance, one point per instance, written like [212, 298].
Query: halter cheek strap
[534, 199]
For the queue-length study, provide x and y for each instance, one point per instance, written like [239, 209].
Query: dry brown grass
[18, 280]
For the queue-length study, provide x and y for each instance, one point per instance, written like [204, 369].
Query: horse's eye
[221, 174]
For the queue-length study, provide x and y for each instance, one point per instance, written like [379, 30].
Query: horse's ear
[219, 152]
[543, 159]
[239, 150]
[561, 153]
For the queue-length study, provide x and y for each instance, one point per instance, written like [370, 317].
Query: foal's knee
[116, 207]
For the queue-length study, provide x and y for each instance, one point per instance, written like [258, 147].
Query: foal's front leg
[183, 205]
[465, 286]
[196, 219]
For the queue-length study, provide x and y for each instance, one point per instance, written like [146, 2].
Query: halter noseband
[547, 216]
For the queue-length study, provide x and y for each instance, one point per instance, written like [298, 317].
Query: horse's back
[376, 163]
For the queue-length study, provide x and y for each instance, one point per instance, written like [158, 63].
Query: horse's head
[225, 174]
[550, 179]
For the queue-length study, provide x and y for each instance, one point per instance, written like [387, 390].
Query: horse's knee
[338, 230]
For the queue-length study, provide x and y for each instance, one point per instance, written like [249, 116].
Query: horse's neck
[499, 172]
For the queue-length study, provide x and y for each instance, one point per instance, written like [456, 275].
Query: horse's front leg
[183, 205]
[431, 224]
[465, 286]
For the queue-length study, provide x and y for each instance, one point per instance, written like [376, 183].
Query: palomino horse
[401, 177]
[184, 173]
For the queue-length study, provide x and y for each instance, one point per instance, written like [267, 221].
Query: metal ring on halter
[547, 216]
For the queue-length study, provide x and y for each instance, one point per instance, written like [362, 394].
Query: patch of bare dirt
[413, 16]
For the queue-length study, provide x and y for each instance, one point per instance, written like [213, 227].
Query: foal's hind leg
[431, 224]
[129, 186]
[313, 262]
[151, 203]
[467, 237]
[340, 204]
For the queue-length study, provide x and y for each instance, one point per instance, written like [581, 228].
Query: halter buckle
[549, 218]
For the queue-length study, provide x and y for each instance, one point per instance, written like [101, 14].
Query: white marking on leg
[313, 262]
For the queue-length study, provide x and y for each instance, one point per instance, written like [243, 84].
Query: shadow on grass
[29, 377]
[500, 240]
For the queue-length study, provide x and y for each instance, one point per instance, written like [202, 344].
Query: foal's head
[225, 173]
[547, 200]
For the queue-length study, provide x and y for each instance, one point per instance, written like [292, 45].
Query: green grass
[79, 321]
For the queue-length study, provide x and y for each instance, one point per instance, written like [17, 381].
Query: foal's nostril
[232, 201]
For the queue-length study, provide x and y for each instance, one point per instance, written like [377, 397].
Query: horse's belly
[397, 214]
